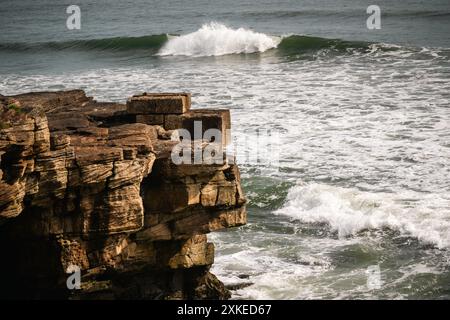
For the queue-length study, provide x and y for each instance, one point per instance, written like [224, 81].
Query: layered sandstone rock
[93, 185]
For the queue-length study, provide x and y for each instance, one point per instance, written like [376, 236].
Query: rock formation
[91, 185]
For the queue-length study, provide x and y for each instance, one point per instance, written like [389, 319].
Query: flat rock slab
[159, 103]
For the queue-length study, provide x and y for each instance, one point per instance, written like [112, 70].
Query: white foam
[349, 211]
[216, 39]
[271, 277]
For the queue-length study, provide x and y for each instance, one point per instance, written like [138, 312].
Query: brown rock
[72, 254]
[194, 252]
[159, 103]
[170, 197]
[101, 192]
[206, 119]
[153, 119]
[201, 222]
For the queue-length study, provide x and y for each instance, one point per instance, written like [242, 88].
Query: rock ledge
[91, 185]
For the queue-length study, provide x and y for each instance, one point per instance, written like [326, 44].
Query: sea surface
[357, 204]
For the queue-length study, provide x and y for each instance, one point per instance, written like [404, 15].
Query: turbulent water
[363, 119]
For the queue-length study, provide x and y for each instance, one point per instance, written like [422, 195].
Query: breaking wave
[215, 39]
[349, 211]
[212, 39]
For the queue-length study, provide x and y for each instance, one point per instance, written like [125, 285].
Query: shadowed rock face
[83, 183]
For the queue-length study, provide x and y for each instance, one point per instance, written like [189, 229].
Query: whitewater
[216, 39]
[349, 211]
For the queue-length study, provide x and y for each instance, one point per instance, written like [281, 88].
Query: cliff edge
[91, 187]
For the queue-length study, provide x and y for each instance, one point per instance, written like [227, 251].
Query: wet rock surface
[92, 185]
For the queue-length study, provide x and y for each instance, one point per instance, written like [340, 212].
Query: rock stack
[91, 186]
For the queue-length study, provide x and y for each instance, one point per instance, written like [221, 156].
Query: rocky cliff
[92, 185]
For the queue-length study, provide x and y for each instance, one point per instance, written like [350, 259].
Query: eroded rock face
[92, 185]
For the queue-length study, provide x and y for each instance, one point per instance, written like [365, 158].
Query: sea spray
[349, 211]
[215, 39]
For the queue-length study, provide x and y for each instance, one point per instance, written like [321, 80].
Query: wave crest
[106, 44]
[215, 39]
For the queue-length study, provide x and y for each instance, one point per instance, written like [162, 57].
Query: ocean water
[358, 205]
